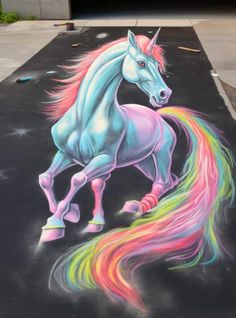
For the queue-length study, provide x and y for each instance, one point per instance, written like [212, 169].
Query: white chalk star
[3, 175]
[101, 35]
[20, 132]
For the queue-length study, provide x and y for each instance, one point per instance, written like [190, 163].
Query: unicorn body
[136, 142]
[94, 131]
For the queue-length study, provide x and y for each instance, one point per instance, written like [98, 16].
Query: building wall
[42, 9]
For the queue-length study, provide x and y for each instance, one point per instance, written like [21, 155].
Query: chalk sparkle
[3, 175]
[101, 35]
[20, 132]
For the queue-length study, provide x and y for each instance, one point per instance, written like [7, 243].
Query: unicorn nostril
[163, 94]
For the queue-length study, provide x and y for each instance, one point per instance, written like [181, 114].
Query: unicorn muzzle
[162, 97]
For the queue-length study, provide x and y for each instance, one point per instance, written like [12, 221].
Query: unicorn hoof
[48, 235]
[73, 215]
[132, 206]
[53, 230]
[94, 227]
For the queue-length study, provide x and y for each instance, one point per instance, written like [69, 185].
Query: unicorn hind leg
[97, 223]
[157, 167]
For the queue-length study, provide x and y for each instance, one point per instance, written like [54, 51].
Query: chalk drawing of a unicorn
[94, 131]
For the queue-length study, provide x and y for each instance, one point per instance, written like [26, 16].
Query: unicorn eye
[141, 63]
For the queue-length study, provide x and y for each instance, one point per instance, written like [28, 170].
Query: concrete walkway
[21, 40]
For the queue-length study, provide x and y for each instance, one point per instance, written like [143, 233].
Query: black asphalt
[26, 150]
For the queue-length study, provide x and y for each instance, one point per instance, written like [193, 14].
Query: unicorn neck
[99, 87]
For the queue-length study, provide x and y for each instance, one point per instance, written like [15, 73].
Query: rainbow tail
[180, 229]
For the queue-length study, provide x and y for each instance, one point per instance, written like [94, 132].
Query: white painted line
[224, 96]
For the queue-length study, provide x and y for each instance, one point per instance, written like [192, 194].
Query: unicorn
[100, 135]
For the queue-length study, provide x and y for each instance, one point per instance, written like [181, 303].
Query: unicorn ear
[132, 39]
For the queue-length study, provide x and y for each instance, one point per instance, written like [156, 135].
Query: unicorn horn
[152, 42]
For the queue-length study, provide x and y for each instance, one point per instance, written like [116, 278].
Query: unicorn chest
[79, 147]
[83, 147]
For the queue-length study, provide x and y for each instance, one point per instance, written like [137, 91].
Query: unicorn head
[142, 65]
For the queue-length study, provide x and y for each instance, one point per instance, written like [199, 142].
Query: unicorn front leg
[61, 161]
[97, 222]
[98, 166]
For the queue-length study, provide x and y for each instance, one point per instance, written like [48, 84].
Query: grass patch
[10, 17]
